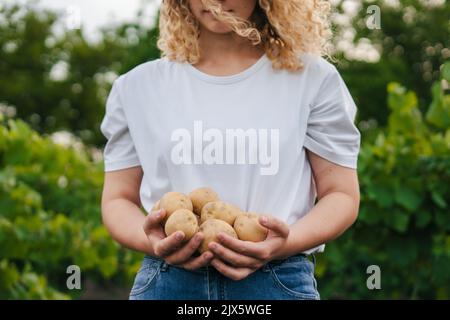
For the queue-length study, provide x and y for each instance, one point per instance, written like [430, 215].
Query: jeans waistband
[294, 258]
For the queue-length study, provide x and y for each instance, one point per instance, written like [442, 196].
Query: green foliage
[50, 194]
[50, 214]
[50, 218]
[413, 42]
[60, 81]
[404, 221]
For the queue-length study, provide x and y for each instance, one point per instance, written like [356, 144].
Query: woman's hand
[172, 248]
[238, 259]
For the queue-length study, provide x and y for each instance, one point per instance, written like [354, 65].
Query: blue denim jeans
[289, 279]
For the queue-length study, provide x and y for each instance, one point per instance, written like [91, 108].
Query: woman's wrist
[289, 249]
[146, 246]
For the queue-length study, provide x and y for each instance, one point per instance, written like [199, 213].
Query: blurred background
[58, 60]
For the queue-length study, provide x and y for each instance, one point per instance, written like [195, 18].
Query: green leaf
[408, 198]
[438, 112]
[399, 100]
[445, 73]
[399, 221]
[423, 218]
[381, 194]
[443, 219]
[402, 251]
[369, 215]
[438, 199]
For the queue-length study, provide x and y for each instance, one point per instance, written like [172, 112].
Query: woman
[243, 102]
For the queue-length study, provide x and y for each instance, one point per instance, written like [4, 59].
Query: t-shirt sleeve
[331, 132]
[119, 152]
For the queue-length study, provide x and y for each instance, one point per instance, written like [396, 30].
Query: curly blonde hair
[285, 28]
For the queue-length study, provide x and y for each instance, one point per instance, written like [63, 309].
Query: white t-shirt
[242, 135]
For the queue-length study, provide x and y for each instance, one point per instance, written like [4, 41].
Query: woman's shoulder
[148, 71]
[316, 63]
[317, 69]
[148, 68]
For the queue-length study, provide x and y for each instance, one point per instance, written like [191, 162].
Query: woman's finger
[235, 274]
[198, 262]
[232, 257]
[153, 220]
[276, 225]
[258, 250]
[185, 253]
[166, 246]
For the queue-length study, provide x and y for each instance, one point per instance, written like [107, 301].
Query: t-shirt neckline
[231, 78]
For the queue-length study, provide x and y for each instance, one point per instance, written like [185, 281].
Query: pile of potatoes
[202, 210]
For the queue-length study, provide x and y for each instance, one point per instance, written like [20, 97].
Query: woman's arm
[123, 217]
[337, 209]
[121, 211]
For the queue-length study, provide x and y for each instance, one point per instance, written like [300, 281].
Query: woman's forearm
[328, 219]
[124, 221]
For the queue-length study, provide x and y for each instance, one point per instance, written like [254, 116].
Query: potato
[220, 210]
[202, 196]
[173, 201]
[156, 206]
[210, 229]
[182, 220]
[248, 228]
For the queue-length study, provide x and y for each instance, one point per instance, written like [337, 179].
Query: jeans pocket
[144, 278]
[295, 278]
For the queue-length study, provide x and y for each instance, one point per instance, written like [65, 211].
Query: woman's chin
[217, 27]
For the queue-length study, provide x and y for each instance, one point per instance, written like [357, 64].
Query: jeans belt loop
[164, 266]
